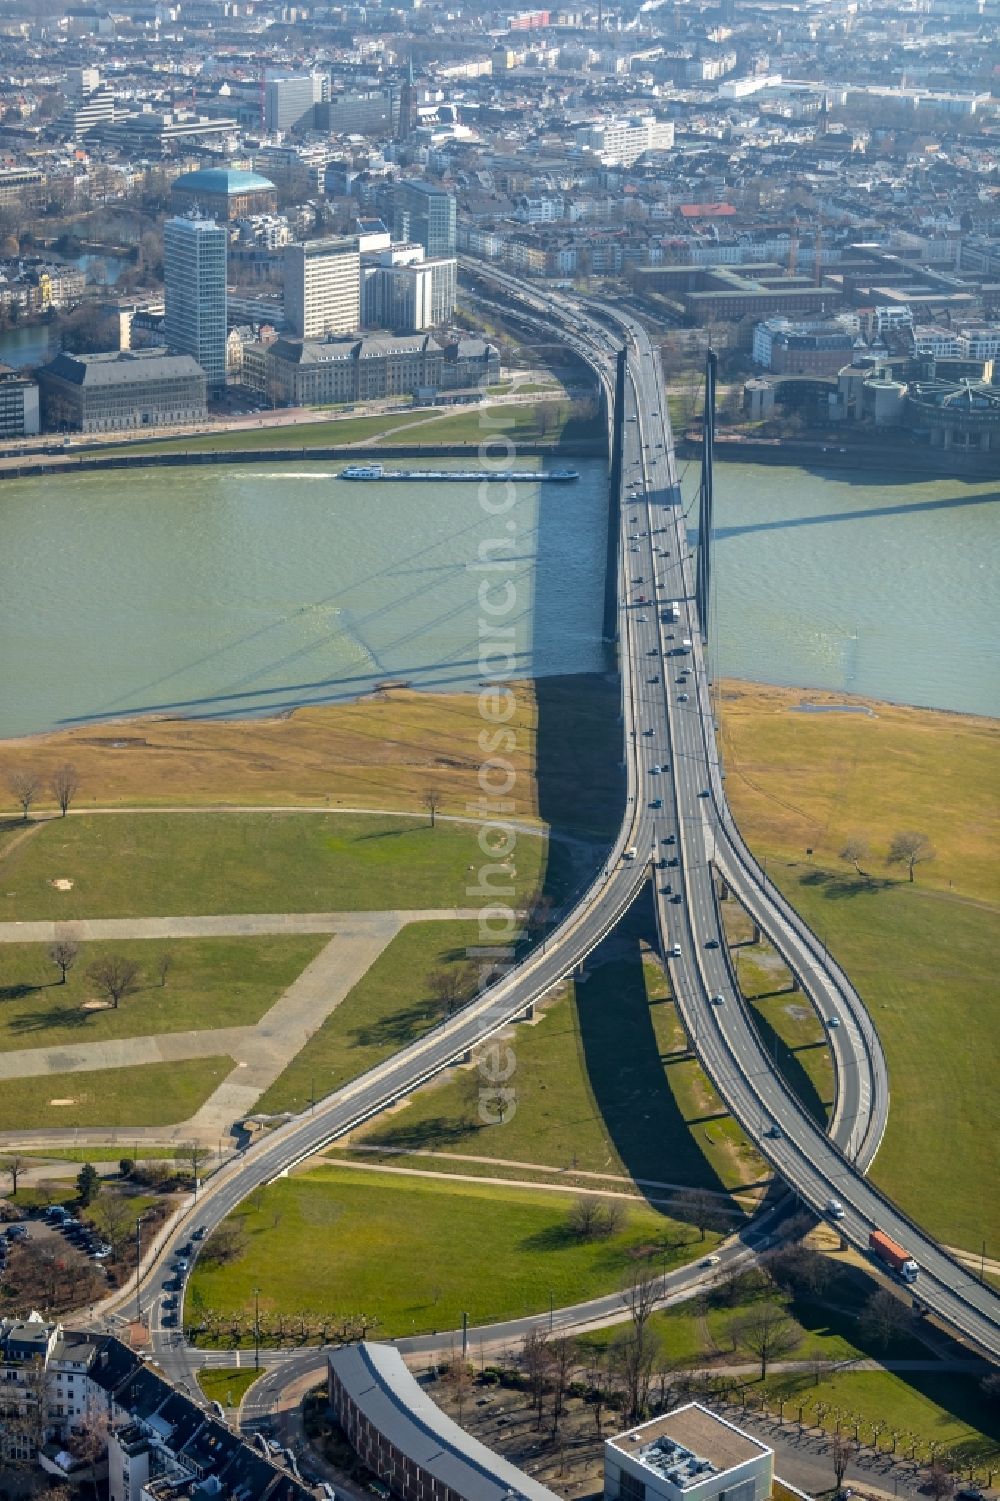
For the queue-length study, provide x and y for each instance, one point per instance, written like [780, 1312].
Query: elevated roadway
[678, 813]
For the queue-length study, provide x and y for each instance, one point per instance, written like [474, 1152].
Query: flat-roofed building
[689, 1454]
[408, 1442]
[323, 287]
[19, 412]
[129, 389]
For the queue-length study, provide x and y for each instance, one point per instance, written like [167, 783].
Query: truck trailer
[892, 1253]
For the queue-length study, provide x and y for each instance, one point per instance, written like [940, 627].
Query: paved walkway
[261, 1052]
[236, 925]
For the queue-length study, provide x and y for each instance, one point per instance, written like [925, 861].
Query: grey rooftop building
[408, 1442]
[120, 392]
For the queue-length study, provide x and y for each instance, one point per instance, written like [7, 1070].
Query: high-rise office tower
[427, 214]
[194, 275]
[289, 99]
[323, 287]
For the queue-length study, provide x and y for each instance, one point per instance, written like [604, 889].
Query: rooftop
[689, 1444]
[222, 180]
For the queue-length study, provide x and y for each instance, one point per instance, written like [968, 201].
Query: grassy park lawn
[212, 982]
[921, 955]
[923, 963]
[389, 1007]
[527, 422]
[591, 1093]
[226, 1385]
[948, 1410]
[133, 865]
[384, 751]
[415, 1254]
[152, 1094]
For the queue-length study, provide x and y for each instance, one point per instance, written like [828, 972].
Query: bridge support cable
[703, 577]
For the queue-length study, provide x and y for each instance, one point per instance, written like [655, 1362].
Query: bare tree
[883, 1317]
[597, 1387]
[939, 1481]
[633, 1353]
[595, 1219]
[25, 785]
[453, 986]
[910, 848]
[12, 1167]
[563, 1361]
[64, 784]
[431, 800]
[116, 1221]
[115, 977]
[163, 964]
[64, 954]
[225, 1244]
[842, 1451]
[767, 1333]
[854, 851]
[536, 1359]
[196, 1155]
[699, 1207]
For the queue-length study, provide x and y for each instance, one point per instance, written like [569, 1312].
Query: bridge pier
[529, 1012]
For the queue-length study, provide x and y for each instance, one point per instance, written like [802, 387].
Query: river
[216, 592]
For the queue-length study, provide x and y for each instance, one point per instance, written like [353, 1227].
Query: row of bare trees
[909, 847]
[114, 975]
[26, 787]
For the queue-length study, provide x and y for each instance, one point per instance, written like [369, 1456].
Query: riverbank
[883, 457]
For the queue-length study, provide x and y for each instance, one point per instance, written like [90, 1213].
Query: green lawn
[923, 963]
[227, 1385]
[135, 865]
[388, 1008]
[948, 1410]
[591, 1092]
[154, 1094]
[546, 421]
[212, 982]
[136, 1151]
[415, 1254]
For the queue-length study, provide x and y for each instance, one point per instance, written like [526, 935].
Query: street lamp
[256, 1328]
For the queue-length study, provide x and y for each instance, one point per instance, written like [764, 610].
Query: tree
[535, 1358]
[12, 1167]
[64, 784]
[88, 1184]
[597, 1387]
[854, 851]
[939, 1481]
[767, 1333]
[163, 964]
[116, 1221]
[452, 986]
[562, 1353]
[547, 415]
[883, 1317]
[842, 1451]
[115, 977]
[432, 802]
[228, 1242]
[910, 848]
[699, 1207]
[64, 954]
[25, 786]
[595, 1219]
[633, 1353]
[196, 1155]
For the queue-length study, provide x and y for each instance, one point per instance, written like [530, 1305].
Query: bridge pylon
[703, 573]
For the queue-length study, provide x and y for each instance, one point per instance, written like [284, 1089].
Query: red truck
[892, 1253]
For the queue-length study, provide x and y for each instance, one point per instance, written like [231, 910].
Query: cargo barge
[462, 476]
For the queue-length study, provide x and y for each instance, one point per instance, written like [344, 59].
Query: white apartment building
[942, 343]
[979, 343]
[689, 1454]
[621, 140]
[323, 287]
